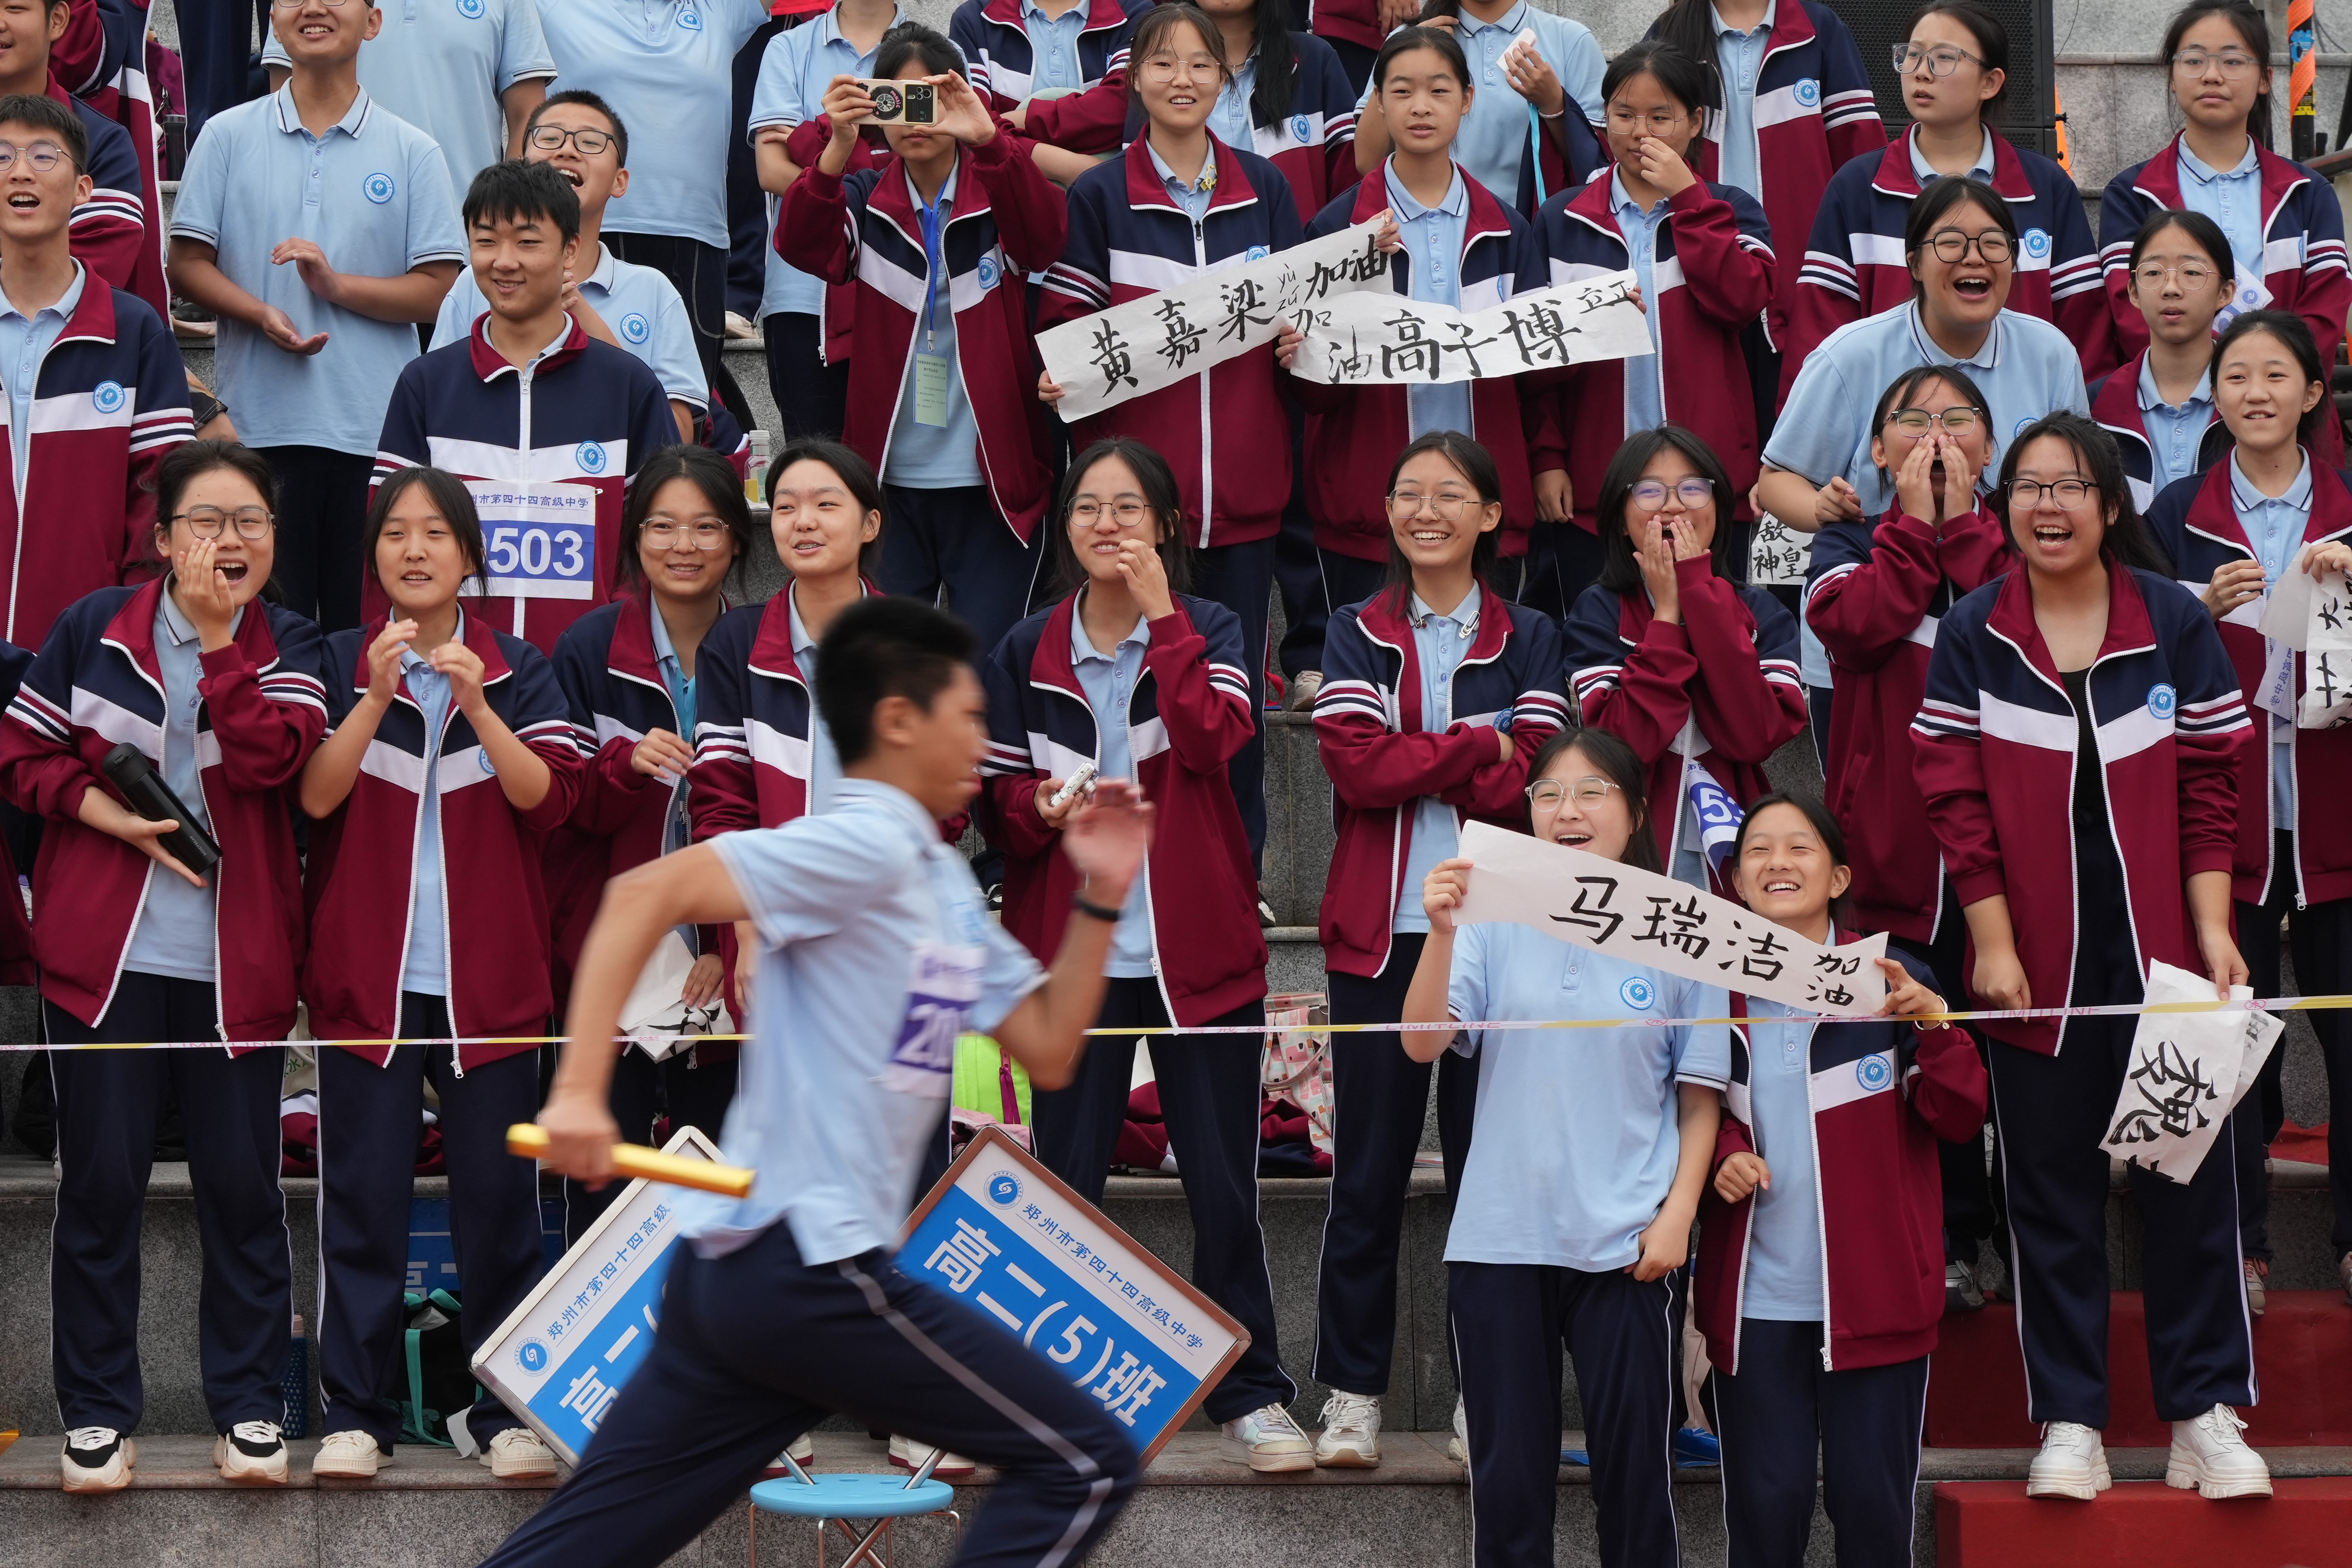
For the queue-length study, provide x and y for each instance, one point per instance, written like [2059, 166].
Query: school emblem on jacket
[1873, 1072]
[634, 327]
[1300, 127]
[471, 9]
[987, 271]
[1807, 92]
[1637, 993]
[2160, 700]
[2036, 242]
[483, 756]
[1004, 1190]
[590, 455]
[379, 188]
[1258, 253]
[531, 1356]
[107, 396]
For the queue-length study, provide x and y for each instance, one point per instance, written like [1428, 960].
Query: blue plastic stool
[844, 1503]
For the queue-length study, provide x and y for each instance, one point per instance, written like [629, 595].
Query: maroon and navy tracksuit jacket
[1008, 219]
[98, 685]
[1881, 1092]
[1721, 685]
[102, 61]
[17, 966]
[754, 716]
[838, 313]
[1994, 751]
[1855, 266]
[1876, 596]
[1002, 63]
[577, 423]
[2115, 403]
[1315, 144]
[1382, 759]
[1813, 114]
[1712, 274]
[1225, 432]
[363, 867]
[2197, 523]
[1355, 21]
[1353, 433]
[109, 231]
[112, 400]
[1189, 715]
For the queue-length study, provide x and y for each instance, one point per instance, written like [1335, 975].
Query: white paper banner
[2327, 654]
[2185, 1074]
[1644, 918]
[1101, 361]
[1372, 339]
[1778, 555]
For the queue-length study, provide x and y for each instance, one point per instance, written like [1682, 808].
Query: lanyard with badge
[932, 368]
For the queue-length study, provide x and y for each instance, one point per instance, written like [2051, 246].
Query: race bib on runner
[538, 538]
[943, 983]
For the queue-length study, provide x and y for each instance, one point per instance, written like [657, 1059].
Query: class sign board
[560, 1359]
[1002, 1235]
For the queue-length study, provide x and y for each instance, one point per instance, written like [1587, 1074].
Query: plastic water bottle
[755, 479]
[295, 1384]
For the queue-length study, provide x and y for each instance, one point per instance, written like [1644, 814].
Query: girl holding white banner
[1673, 654]
[1572, 1222]
[2077, 750]
[2272, 511]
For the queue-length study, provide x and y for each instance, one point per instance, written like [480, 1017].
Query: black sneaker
[251, 1454]
[97, 1458]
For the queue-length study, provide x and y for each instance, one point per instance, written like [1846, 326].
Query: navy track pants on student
[755, 1347]
[109, 1103]
[694, 1094]
[1510, 1322]
[1780, 1414]
[952, 543]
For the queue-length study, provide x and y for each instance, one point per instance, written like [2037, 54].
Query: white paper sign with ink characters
[2185, 1074]
[1101, 361]
[1384, 339]
[2326, 657]
[1778, 555]
[1642, 917]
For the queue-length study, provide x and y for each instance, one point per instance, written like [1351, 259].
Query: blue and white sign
[559, 1360]
[538, 538]
[1002, 1235]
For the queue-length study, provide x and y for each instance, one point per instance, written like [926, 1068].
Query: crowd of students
[464, 621]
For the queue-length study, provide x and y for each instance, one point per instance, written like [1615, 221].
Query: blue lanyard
[932, 260]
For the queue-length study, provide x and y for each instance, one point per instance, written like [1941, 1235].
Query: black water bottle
[128, 770]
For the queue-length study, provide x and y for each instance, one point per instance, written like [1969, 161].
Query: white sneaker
[517, 1453]
[802, 1450]
[1268, 1439]
[2208, 1454]
[1457, 1446]
[909, 1454]
[1351, 1438]
[251, 1454]
[97, 1458]
[2073, 1463]
[348, 1456]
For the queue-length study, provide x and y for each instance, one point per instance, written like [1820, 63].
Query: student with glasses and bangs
[2159, 404]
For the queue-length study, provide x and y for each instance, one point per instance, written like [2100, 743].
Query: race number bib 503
[944, 983]
[538, 538]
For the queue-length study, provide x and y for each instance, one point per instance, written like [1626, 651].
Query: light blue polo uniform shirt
[2233, 198]
[943, 456]
[1924, 171]
[1578, 1129]
[1434, 238]
[426, 971]
[440, 64]
[1439, 643]
[374, 193]
[2175, 431]
[1109, 681]
[794, 71]
[2274, 528]
[667, 67]
[1229, 119]
[174, 932]
[639, 304]
[1194, 197]
[1054, 46]
[1784, 1225]
[680, 687]
[1740, 58]
[824, 757]
[876, 950]
[25, 342]
[1646, 392]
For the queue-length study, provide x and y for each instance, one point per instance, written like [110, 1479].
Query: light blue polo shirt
[176, 929]
[1054, 46]
[1924, 171]
[1194, 197]
[667, 67]
[2175, 431]
[374, 193]
[1439, 643]
[440, 64]
[426, 968]
[1646, 392]
[1229, 119]
[680, 687]
[874, 939]
[1109, 679]
[2274, 528]
[943, 456]
[1578, 1128]
[1784, 1225]
[640, 304]
[2233, 198]
[824, 757]
[798, 65]
[1739, 58]
[24, 344]
[1434, 238]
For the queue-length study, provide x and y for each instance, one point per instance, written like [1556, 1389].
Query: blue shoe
[1692, 1450]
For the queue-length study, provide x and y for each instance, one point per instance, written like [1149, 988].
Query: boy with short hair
[110, 228]
[321, 230]
[545, 424]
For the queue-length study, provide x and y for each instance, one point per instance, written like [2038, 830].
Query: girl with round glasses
[2159, 401]
[1436, 690]
[1668, 650]
[2077, 748]
[1955, 76]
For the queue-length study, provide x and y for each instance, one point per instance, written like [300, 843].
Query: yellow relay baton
[529, 1140]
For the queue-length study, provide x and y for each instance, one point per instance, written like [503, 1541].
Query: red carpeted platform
[2302, 1360]
[2143, 1524]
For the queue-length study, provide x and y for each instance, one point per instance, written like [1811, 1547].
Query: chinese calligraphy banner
[1103, 360]
[1382, 338]
[2326, 657]
[559, 1360]
[1778, 555]
[2185, 1074]
[1001, 1235]
[1645, 918]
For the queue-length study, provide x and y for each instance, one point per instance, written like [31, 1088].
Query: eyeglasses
[1168, 67]
[663, 534]
[1451, 505]
[2194, 63]
[2068, 493]
[1625, 121]
[42, 155]
[1919, 420]
[1548, 793]
[2189, 276]
[1125, 514]
[552, 137]
[1952, 245]
[1940, 61]
[253, 523]
[1650, 495]
[298, 5]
